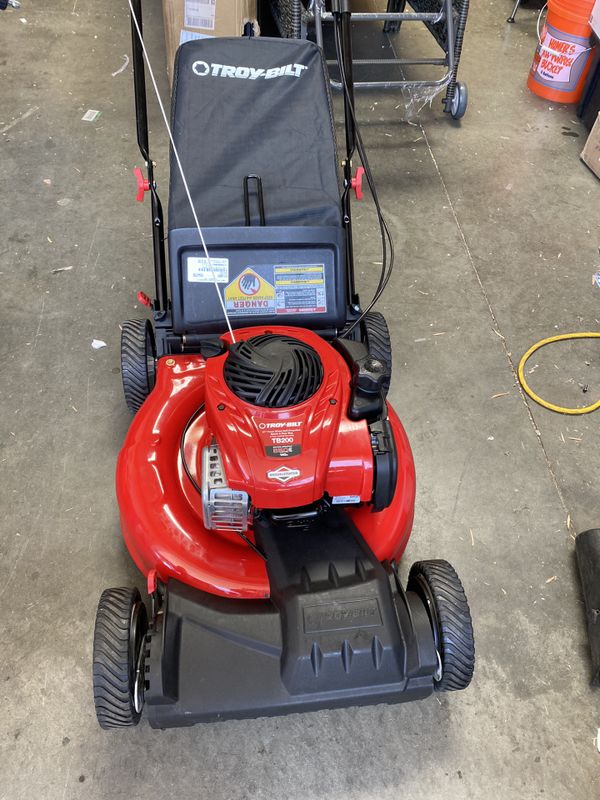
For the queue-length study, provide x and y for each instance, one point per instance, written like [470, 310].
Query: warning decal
[249, 294]
[300, 289]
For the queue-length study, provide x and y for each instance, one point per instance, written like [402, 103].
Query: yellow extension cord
[529, 391]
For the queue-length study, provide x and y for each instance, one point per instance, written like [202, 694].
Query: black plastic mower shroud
[337, 631]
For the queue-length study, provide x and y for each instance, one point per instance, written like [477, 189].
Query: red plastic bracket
[144, 299]
[152, 581]
[356, 183]
[143, 184]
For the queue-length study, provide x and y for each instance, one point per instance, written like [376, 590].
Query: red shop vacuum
[266, 487]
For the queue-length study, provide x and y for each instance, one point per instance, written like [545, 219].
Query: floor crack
[496, 326]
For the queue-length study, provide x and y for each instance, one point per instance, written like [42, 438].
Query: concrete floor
[496, 225]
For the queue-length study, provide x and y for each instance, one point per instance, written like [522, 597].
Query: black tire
[438, 585]
[460, 100]
[138, 361]
[119, 633]
[376, 336]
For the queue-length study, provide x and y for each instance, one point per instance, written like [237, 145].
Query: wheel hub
[426, 595]
[137, 638]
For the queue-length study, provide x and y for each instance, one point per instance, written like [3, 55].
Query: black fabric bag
[253, 106]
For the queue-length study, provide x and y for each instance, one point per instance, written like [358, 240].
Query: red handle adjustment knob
[144, 299]
[356, 183]
[143, 184]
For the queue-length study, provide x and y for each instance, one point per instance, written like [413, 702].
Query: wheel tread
[456, 627]
[377, 338]
[137, 382]
[111, 659]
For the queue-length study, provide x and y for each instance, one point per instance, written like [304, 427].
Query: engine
[276, 404]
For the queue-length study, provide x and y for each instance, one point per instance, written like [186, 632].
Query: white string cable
[539, 19]
[181, 172]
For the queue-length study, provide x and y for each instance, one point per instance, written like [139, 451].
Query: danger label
[300, 289]
[554, 58]
[249, 293]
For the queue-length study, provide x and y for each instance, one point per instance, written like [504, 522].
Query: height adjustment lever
[144, 299]
[143, 184]
[356, 183]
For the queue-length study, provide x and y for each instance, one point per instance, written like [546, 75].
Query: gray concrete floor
[496, 225]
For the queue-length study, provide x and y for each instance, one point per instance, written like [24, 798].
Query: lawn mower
[266, 487]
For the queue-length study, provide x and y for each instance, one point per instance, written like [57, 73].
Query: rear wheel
[439, 587]
[376, 336]
[118, 661]
[138, 361]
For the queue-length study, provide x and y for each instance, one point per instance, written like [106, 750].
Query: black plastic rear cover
[253, 107]
[314, 296]
[338, 630]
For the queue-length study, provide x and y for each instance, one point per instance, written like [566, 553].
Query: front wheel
[440, 589]
[118, 661]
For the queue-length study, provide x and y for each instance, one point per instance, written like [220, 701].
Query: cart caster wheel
[376, 336]
[118, 665]
[439, 587]
[138, 361]
[460, 99]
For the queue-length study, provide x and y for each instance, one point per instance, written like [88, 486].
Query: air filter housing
[273, 371]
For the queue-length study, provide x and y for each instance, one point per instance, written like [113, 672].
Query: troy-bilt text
[201, 68]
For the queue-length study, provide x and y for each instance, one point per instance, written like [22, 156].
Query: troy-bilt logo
[269, 425]
[283, 474]
[201, 68]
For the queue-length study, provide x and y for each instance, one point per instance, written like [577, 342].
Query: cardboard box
[196, 19]
[590, 154]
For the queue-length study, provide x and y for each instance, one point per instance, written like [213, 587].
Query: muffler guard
[338, 630]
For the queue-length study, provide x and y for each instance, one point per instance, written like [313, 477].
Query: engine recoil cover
[273, 371]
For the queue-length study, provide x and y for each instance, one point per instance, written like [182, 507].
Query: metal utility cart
[445, 20]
